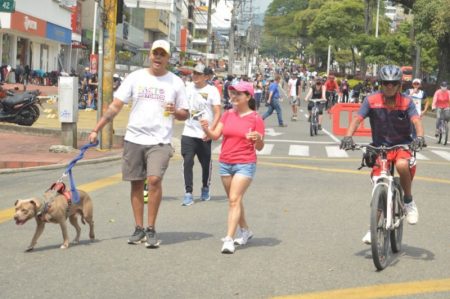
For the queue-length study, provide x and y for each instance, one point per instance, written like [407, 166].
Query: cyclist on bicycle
[330, 91]
[315, 92]
[441, 101]
[391, 115]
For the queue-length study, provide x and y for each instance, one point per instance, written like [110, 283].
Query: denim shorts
[244, 169]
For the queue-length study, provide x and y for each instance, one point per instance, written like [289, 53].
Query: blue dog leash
[73, 188]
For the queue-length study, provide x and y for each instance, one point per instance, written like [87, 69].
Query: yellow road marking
[380, 291]
[341, 170]
[7, 214]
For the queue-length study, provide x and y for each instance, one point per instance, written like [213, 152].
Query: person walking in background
[418, 95]
[273, 101]
[344, 90]
[204, 103]
[441, 101]
[243, 134]
[293, 96]
[258, 91]
[158, 96]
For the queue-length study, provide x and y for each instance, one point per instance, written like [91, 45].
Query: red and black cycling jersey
[390, 125]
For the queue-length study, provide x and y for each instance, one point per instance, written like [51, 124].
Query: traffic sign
[7, 5]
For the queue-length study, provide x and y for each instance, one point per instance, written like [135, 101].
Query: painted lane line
[331, 136]
[299, 141]
[380, 291]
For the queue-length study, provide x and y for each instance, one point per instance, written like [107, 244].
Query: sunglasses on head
[394, 83]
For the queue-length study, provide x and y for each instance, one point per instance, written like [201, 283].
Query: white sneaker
[243, 236]
[367, 239]
[412, 214]
[228, 245]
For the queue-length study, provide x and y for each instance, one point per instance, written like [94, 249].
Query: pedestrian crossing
[332, 151]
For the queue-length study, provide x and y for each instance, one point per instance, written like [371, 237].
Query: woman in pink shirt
[243, 133]
[441, 102]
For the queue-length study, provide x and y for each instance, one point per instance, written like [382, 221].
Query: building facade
[38, 34]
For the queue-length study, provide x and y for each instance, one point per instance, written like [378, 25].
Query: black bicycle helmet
[390, 73]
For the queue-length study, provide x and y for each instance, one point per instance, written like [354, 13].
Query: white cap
[163, 44]
[417, 80]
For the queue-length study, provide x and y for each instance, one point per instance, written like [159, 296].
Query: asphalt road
[308, 214]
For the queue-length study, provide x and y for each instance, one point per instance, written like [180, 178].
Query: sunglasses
[393, 83]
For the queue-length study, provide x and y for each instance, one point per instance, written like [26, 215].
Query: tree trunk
[444, 61]
[353, 61]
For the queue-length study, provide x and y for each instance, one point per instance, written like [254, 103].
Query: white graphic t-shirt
[201, 102]
[292, 87]
[148, 124]
[417, 98]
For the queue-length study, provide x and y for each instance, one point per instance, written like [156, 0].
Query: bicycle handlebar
[382, 148]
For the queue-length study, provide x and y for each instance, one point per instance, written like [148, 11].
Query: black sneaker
[152, 239]
[138, 236]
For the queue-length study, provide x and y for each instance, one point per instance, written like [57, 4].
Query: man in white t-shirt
[158, 97]
[204, 103]
[292, 85]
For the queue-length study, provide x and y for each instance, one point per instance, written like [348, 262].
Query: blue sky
[262, 4]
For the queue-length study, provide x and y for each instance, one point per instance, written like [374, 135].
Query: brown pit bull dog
[56, 209]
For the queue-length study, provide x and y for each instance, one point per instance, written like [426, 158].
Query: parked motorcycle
[19, 108]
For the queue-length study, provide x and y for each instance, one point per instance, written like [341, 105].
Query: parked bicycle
[315, 112]
[443, 126]
[387, 206]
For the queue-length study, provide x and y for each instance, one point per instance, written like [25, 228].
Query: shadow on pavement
[168, 238]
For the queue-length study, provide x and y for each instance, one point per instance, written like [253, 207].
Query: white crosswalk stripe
[299, 150]
[336, 152]
[331, 151]
[420, 156]
[267, 150]
[443, 154]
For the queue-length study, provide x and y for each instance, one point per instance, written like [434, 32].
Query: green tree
[433, 17]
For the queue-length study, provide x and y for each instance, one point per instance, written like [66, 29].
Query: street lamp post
[376, 34]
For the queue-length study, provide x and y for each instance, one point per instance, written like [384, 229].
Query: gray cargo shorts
[141, 161]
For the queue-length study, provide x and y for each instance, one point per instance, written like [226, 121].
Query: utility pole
[100, 74]
[208, 32]
[231, 39]
[109, 21]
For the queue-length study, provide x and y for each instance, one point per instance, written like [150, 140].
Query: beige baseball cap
[162, 44]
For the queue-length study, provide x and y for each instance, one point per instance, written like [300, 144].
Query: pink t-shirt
[236, 148]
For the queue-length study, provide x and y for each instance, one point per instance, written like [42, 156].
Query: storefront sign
[28, 24]
[59, 33]
[7, 5]
[76, 18]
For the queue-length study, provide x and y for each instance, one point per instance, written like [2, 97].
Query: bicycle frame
[386, 178]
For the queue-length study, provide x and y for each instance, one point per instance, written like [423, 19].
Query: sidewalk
[23, 147]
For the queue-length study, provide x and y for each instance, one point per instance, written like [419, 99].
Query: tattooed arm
[113, 109]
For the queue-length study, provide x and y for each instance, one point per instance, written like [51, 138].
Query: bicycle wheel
[311, 128]
[378, 231]
[397, 217]
[439, 137]
[445, 126]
